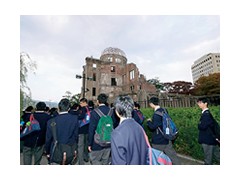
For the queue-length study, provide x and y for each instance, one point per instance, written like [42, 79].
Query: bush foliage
[186, 119]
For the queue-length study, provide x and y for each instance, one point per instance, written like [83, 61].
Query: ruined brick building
[112, 75]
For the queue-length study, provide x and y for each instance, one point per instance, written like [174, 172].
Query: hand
[48, 158]
[149, 119]
[89, 148]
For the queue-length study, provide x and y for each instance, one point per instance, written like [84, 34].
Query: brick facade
[113, 76]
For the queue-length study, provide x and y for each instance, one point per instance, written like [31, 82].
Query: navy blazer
[94, 119]
[205, 124]
[157, 137]
[128, 144]
[67, 130]
[37, 138]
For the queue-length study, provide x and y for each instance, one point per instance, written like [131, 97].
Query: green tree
[72, 98]
[207, 85]
[156, 82]
[26, 65]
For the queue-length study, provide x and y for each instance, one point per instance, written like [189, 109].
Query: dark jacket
[157, 137]
[82, 116]
[138, 116]
[128, 145]
[67, 130]
[205, 124]
[37, 138]
[94, 119]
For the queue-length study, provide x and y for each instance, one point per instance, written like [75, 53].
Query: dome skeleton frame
[112, 50]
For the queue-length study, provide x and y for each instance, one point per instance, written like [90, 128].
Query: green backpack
[104, 128]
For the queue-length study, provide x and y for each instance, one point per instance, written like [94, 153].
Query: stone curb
[190, 158]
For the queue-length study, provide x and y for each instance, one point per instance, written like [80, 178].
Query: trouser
[82, 148]
[36, 152]
[100, 157]
[169, 151]
[210, 152]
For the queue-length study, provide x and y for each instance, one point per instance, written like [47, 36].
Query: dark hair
[84, 100]
[90, 103]
[53, 112]
[64, 105]
[136, 105]
[124, 106]
[28, 109]
[41, 106]
[154, 100]
[102, 98]
[203, 100]
[75, 106]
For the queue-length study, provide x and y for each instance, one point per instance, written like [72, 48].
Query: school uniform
[206, 138]
[66, 130]
[99, 154]
[33, 144]
[158, 140]
[128, 145]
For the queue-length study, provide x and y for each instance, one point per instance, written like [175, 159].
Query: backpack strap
[158, 128]
[54, 131]
[99, 112]
[110, 112]
[159, 113]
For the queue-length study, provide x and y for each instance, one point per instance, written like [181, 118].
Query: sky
[162, 46]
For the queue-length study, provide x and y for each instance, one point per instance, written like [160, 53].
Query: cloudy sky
[160, 46]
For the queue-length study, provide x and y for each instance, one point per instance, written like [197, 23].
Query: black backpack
[215, 130]
[63, 154]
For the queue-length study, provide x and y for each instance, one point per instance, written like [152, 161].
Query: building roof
[112, 50]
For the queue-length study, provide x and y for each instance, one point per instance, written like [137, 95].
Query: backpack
[170, 130]
[215, 129]
[104, 128]
[63, 154]
[86, 120]
[155, 156]
[32, 127]
[140, 115]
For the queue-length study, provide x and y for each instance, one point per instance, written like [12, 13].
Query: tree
[178, 87]
[26, 65]
[72, 98]
[67, 95]
[156, 82]
[207, 85]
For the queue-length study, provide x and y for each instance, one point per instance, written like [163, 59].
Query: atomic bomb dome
[112, 51]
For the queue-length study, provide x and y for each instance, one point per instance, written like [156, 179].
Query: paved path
[185, 160]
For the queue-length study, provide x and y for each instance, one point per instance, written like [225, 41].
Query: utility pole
[84, 83]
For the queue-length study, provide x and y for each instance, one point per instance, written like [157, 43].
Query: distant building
[112, 75]
[207, 64]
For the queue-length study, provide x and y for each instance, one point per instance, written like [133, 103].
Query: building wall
[207, 64]
[113, 76]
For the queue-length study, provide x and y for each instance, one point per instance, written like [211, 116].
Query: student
[128, 146]
[66, 128]
[98, 154]
[83, 132]
[34, 143]
[206, 138]
[137, 114]
[24, 119]
[158, 140]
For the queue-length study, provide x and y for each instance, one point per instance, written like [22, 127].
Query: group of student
[128, 145]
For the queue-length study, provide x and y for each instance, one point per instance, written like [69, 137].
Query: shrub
[186, 119]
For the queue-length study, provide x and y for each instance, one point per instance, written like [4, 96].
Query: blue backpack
[170, 131]
[86, 120]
